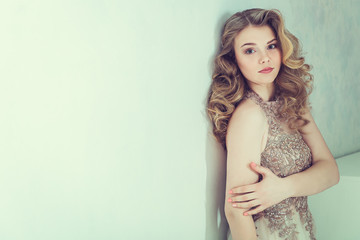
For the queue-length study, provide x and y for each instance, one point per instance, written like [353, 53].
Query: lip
[266, 70]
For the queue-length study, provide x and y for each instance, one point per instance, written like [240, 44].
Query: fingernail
[230, 191]
[234, 205]
[253, 164]
[229, 200]
[245, 214]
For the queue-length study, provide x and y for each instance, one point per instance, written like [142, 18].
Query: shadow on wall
[216, 224]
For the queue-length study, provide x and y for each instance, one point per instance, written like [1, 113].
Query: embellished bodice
[285, 153]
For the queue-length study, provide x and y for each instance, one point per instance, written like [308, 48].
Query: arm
[320, 176]
[324, 172]
[244, 136]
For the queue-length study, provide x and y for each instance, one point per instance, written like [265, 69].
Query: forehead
[254, 34]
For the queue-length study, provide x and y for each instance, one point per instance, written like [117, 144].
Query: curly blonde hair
[293, 82]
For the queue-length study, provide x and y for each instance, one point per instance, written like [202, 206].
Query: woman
[258, 105]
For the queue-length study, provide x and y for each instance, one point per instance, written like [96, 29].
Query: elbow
[332, 172]
[232, 213]
[335, 180]
[241, 227]
[336, 175]
[229, 213]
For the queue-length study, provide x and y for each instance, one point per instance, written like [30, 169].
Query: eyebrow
[255, 43]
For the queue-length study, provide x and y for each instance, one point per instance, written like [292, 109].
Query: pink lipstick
[266, 70]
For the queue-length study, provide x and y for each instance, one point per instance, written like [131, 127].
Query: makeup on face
[258, 55]
[266, 70]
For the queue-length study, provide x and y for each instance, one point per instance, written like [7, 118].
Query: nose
[264, 58]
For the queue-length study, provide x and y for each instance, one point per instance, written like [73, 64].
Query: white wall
[103, 127]
[103, 132]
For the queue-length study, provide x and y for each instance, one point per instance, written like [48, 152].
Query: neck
[267, 93]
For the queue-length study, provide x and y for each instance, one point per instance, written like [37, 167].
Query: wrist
[288, 187]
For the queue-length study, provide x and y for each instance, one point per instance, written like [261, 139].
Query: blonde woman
[258, 105]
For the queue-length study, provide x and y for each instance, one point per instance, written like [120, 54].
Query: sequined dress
[285, 154]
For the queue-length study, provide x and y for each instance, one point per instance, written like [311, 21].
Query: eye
[249, 51]
[272, 46]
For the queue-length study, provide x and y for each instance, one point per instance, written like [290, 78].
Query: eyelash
[246, 51]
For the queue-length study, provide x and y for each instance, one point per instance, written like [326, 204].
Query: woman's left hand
[269, 191]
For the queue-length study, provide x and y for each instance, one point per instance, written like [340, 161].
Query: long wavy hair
[293, 82]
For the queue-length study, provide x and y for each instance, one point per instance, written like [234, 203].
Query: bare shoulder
[248, 113]
[247, 119]
[243, 140]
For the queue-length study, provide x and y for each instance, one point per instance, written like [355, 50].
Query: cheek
[247, 70]
[246, 66]
[276, 56]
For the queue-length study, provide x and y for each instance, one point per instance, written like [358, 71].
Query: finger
[243, 189]
[243, 198]
[246, 205]
[254, 211]
[259, 169]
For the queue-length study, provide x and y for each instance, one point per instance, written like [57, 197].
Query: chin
[269, 79]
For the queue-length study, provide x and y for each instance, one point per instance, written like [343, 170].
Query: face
[256, 48]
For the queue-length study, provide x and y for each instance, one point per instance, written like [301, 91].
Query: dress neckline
[252, 93]
[271, 109]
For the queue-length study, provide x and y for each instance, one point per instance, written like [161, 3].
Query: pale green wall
[336, 210]
[103, 129]
[330, 34]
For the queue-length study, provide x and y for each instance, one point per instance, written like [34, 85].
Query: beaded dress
[284, 154]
